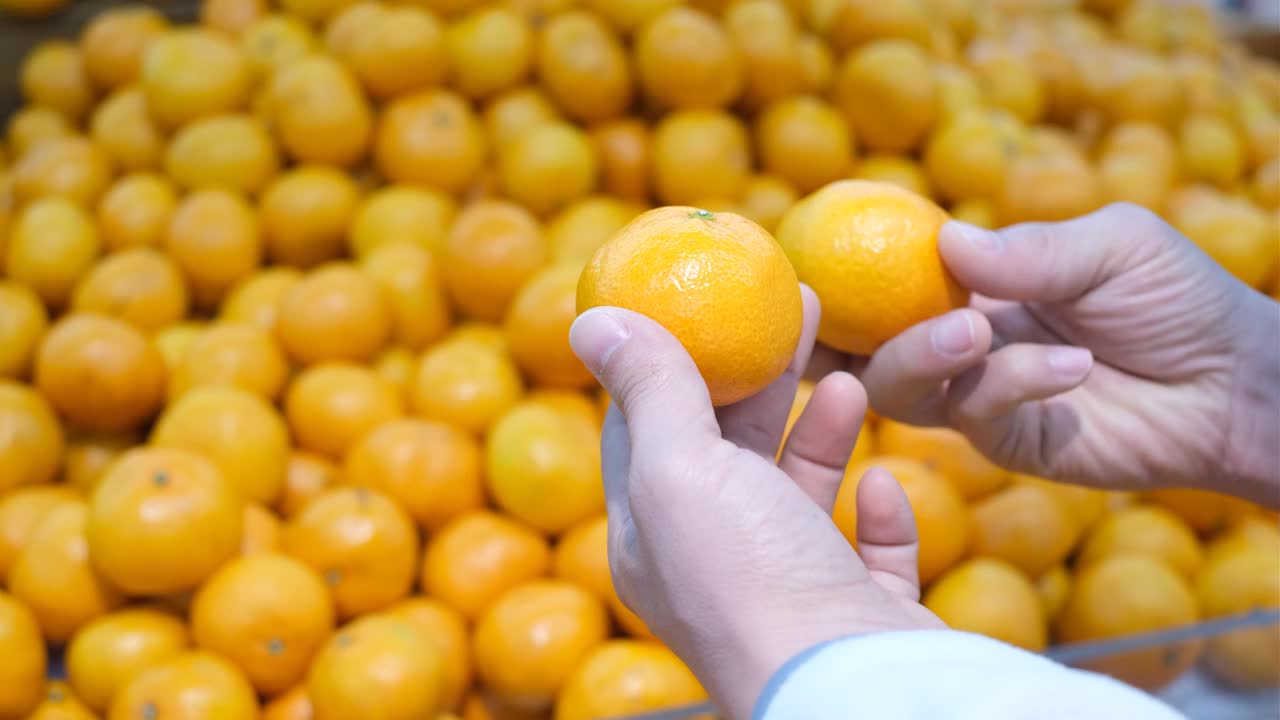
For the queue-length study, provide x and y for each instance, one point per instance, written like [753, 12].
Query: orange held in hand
[717, 281]
[870, 251]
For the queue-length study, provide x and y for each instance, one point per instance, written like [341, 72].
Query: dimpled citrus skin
[717, 281]
[870, 252]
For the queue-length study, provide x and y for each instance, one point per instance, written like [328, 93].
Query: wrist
[1251, 466]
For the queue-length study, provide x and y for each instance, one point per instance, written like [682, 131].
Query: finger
[904, 378]
[615, 463]
[650, 377]
[757, 422]
[887, 538]
[1051, 262]
[825, 360]
[1012, 322]
[824, 437]
[1012, 376]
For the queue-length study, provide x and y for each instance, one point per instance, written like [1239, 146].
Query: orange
[238, 432]
[256, 299]
[335, 312]
[942, 520]
[948, 453]
[23, 673]
[273, 41]
[140, 286]
[320, 114]
[1231, 583]
[100, 373]
[377, 668]
[107, 652]
[307, 475]
[135, 212]
[174, 341]
[870, 292]
[1046, 187]
[815, 64]
[431, 469]
[625, 677]
[575, 232]
[162, 520]
[397, 51]
[492, 249]
[766, 199]
[547, 166]
[397, 366]
[537, 328]
[465, 383]
[532, 638]
[216, 239]
[1025, 526]
[330, 406]
[1205, 511]
[489, 51]
[71, 167]
[968, 157]
[627, 16]
[196, 684]
[261, 531]
[231, 16]
[990, 597]
[409, 282]
[1054, 587]
[32, 8]
[305, 215]
[314, 11]
[268, 614]
[1008, 81]
[189, 74]
[53, 577]
[446, 629]
[234, 355]
[514, 111]
[233, 152]
[123, 130]
[895, 170]
[699, 154]
[1148, 531]
[60, 704]
[1233, 232]
[583, 67]
[854, 22]
[1129, 85]
[1125, 594]
[1210, 150]
[22, 510]
[1138, 164]
[767, 38]
[582, 557]
[975, 212]
[29, 126]
[292, 705]
[400, 213]
[52, 244]
[54, 76]
[430, 138]
[625, 158]
[362, 543]
[958, 92]
[804, 141]
[23, 322]
[1266, 184]
[755, 297]
[1246, 532]
[542, 468]
[887, 92]
[684, 59]
[1085, 505]
[476, 558]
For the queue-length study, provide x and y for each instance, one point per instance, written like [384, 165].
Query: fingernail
[981, 239]
[595, 335]
[953, 334]
[1070, 363]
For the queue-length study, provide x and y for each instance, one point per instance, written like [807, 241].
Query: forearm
[1252, 462]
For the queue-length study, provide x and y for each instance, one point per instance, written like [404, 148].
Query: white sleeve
[929, 674]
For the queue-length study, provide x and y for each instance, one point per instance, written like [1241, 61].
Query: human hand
[730, 557]
[1107, 350]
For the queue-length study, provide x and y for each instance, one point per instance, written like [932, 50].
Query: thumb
[650, 377]
[1051, 262]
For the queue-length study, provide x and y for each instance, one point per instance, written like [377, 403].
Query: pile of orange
[289, 422]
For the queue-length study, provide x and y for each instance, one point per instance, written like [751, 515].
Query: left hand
[730, 557]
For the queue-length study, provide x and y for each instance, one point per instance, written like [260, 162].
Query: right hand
[1107, 350]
